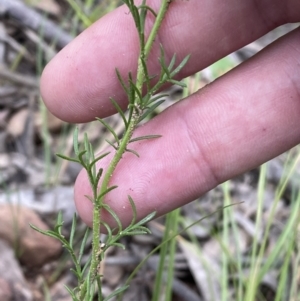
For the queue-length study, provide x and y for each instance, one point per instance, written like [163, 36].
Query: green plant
[140, 106]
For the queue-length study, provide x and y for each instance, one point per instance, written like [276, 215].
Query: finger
[77, 83]
[245, 118]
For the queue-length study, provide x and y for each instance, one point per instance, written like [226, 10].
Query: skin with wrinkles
[243, 119]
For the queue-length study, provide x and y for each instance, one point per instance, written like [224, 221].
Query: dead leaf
[17, 123]
[205, 270]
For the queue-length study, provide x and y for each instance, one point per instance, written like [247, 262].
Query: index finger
[77, 83]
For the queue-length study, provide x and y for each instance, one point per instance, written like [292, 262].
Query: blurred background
[247, 251]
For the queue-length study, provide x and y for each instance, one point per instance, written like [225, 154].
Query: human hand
[243, 119]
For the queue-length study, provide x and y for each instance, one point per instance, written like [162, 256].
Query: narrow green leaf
[120, 111]
[109, 232]
[172, 63]
[162, 52]
[122, 81]
[47, 233]
[155, 98]
[147, 219]
[137, 232]
[59, 223]
[86, 147]
[151, 109]
[99, 158]
[176, 82]
[143, 229]
[134, 212]
[67, 158]
[180, 66]
[87, 264]
[148, 8]
[111, 144]
[78, 276]
[163, 62]
[108, 127]
[115, 216]
[83, 244]
[132, 151]
[147, 77]
[106, 192]
[89, 198]
[116, 292]
[59, 219]
[74, 298]
[146, 137]
[162, 80]
[131, 93]
[132, 84]
[146, 98]
[136, 16]
[92, 167]
[80, 158]
[119, 245]
[98, 176]
[100, 297]
[89, 287]
[143, 14]
[165, 72]
[73, 228]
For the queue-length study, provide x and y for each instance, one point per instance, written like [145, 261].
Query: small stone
[33, 248]
[5, 291]
[12, 283]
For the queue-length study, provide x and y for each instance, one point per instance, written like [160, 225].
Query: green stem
[144, 54]
[160, 16]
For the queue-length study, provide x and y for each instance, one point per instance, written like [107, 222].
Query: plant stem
[137, 111]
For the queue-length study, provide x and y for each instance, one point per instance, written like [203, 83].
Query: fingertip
[77, 83]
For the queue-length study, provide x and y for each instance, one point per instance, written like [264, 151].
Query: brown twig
[30, 18]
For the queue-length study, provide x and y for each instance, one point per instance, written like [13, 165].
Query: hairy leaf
[120, 111]
[73, 229]
[176, 82]
[151, 109]
[99, 158]
[180, 66]
[133, 152]
[147, 219]
[146, 137]
[125, 88]
[67, 158]
[109, 128]
[115, 216]
[106, 192]
[134, 212]
[83, 244]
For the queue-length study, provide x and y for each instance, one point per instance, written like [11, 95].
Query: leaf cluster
[80, 270]
[68, 244]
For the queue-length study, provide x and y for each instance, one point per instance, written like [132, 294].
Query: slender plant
[141, 104]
